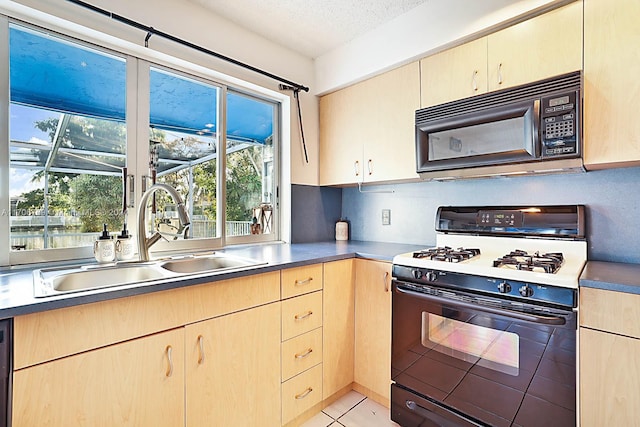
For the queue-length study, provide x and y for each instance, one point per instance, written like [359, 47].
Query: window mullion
[222, 165]
[4, 139]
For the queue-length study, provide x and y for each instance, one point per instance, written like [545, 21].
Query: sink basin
[61, 280]
[202, 264]
[52, 281]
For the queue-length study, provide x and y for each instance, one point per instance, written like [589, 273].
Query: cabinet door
[341, 136]
[609, 378]
[338, 326]
[456, 73]
[136, 383]
[373, 330]
[390, 104]
[544, 46]
[611, 83]
[233, 369]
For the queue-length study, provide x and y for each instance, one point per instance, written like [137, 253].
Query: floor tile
[320, 420]
[344, 404]
[368, 413]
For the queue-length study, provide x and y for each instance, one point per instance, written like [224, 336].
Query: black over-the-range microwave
[535, 127]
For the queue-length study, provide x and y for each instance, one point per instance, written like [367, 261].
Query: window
[67, 141]
[250, 185]
[70, 151]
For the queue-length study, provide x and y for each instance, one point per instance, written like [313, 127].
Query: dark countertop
[16, 283]
[611, 276]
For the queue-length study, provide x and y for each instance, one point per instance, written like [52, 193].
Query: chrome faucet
[144, 242]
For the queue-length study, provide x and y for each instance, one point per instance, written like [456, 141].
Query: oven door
[468, 360]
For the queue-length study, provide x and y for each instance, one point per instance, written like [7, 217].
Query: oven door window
[494, 349]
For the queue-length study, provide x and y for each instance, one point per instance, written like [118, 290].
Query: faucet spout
[144, 242]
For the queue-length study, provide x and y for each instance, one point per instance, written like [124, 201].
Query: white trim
[4, 142]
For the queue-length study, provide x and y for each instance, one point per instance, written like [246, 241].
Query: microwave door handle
[545, 320]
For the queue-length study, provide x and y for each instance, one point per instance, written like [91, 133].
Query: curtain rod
[152, 31]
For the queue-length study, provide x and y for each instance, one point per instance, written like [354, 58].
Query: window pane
[184, 147]
[250, 166]
[67, 141]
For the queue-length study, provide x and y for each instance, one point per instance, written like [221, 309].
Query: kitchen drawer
[301, 353]
[610, 311]
[301, 393]
[301, 280]
[301, 314]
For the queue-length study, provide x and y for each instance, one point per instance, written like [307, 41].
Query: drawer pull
[168, 350]
[304, 393]
[304, 354]
[385, 281]
[303, 316]
[201, 346]
[303, 282]
[474, 81]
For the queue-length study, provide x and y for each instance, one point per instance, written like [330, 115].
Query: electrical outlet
[386, 216]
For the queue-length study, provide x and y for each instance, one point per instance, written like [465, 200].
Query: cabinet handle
[304, 354]
[169, 350]
[303, 282]
[370, 166]
[356, 167]
[303, 316]
[201, 345]
[304, 393]
[474, 80]
[500, 73]
[385, 281]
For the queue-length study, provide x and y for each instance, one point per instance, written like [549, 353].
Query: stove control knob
[526, 291]
[504, 288]
[431, 276]
[417, 274]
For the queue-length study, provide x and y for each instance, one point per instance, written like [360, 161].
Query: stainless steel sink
[61, 280]
[52, 281]
[202, 264]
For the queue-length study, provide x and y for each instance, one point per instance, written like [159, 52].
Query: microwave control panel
[559, 122]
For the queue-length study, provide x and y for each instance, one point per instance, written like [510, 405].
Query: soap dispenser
[104, 249]
[125, 248]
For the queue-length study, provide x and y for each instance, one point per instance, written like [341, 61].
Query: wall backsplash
[314, 212]
[611, 197]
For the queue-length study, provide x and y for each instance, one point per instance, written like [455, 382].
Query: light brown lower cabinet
[233, 369]
[609, 379]
[135, 383]
[372, 369]
[609, 358]
[338, 325]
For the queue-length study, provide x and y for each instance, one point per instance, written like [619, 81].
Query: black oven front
[463, 359]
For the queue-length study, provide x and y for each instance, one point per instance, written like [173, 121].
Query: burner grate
[521, 260]
[447, 254]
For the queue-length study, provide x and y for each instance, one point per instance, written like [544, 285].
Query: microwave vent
[565, 82]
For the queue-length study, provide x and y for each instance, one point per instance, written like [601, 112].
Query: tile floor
[352, 410]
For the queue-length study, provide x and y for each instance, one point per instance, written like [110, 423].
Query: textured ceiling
[310, 27]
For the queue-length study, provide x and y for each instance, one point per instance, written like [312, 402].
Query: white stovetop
[491, 248]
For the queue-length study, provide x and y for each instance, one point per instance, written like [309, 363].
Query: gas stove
[521, 252]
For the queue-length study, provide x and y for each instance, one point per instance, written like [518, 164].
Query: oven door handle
[545, 320]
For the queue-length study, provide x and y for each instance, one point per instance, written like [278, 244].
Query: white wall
[415, 34]
[189, 21]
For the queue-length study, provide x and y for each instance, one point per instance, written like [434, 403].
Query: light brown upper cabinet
[367, 130]
[541, 47]
[456, 73]
[611, 83]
